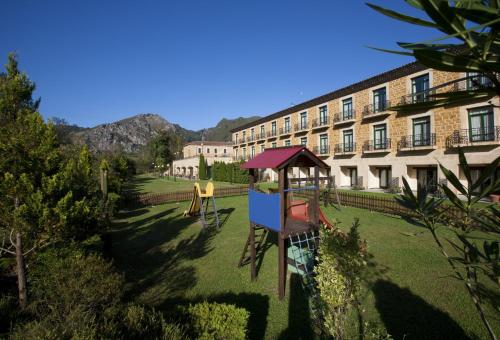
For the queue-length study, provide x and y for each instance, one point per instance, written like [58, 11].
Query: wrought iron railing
[322, 150]
[345, 148]
[377, 145]
[250, 139]
[301, 126]
[475, 82]
[242, 140]
[260, 136]
[344, 116]
[320, 122]
[414, 141]
[272, 133]
[285, 130]
[372, 109]
[418, 97]
[466, 136]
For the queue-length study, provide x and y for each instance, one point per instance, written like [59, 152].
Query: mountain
[131, 134]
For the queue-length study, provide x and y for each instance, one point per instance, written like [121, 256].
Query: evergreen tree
[202, 170]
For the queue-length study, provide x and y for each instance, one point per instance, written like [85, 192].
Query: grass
[148, 183]
[168, 260]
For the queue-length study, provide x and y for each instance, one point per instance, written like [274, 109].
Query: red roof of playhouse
[276, 158]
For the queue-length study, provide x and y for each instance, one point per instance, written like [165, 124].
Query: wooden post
[282, 251]
[315, 217]
[253, 267]
[21, 273]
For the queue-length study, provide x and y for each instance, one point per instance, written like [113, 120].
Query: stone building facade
[368, 146]
[187, 165]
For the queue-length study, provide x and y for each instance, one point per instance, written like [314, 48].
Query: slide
[299, 210]
[194, 207]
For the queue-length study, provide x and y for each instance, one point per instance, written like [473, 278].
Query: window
[303, 141]
[236, 138]
[262, 131]
[347, 112]
[379, 100]
[244, 153]
[208, 150]
[303, 121]
[252, 152]
[383, 176]
[380, 136]
[323, 144]
[288, 142]
[476, 81]
[420, 88]
[422, 131]
[475, 173]
[481, 127]
[287, 125]
[323, 115]
[225, 151]
[199, 150]
[273, 128]
[236, 153]
[244, 135]
[427, 179]
[262, 148]
[353, 176]
[348, 141]
[215, 151]
[252, 133]
[273, 144]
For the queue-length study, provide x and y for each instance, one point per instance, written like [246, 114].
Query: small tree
[471, 259]
[202, 169]
[222, 171]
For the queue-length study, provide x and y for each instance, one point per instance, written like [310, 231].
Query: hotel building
[187, 165]
[369, 146]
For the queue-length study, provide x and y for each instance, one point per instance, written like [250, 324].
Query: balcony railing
[345, 148]
[286, 130]
[251, 139]
[322, 150]
[418, 97]
[474, 135]
[242, 140]
[320, 122]
[475, 82]
[343, 117]
[261, 136]
[377, 145]
[417, 141]
[301, 127]
[376, 108]
[272, 134]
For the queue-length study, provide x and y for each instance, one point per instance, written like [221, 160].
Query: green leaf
[465, 168]
[414, 3]
[477, 13]
[402, 17]
[452, 197]
[445, 61]
[488, 171]
[421, 46]
[443, 16]
[450, 176]
[409, 54]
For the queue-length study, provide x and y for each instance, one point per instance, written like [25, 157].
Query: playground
[153, 184]
[169, 258]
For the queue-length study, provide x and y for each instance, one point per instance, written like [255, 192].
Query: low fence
[135, 200]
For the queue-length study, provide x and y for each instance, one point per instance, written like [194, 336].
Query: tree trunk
[21, 273]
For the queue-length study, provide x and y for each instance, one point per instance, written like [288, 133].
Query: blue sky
[195, 62]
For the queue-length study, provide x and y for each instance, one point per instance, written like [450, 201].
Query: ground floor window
[476, 172]
[427, 179]
[384, 175]
[353, 176]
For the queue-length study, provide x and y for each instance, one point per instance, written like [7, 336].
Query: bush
[217, 321]
[341, 261]
[149, 324]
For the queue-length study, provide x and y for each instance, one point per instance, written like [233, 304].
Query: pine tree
[202, 170]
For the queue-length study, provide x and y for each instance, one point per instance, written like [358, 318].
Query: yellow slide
[198, 198]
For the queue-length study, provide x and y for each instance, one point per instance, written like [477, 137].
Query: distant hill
[131, 134]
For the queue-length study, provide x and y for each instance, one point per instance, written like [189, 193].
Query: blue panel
[264, 209]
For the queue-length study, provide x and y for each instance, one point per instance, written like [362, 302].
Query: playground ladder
[260, 238]
[303, 253]
[204, 210]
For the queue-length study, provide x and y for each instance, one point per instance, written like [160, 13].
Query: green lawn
[168, 260]
[148, 183]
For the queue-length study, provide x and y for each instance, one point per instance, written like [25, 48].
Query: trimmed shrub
[202, 168]
[140, 322]
[217, 321]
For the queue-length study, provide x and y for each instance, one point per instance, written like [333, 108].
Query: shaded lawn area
[147, 183]
[168, 260]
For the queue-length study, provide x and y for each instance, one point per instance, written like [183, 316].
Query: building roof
[209, 143]
[381, 78]
[278, 158]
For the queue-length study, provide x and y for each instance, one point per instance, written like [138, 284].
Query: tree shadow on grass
[299, 316]
[407, 316]
[153, 264]
[256, 304]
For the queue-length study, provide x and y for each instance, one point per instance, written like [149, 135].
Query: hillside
[133, 133]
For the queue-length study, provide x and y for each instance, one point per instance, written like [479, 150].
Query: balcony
[301, 127]
[251, 139]
[242, 141]
[322, 150]
[344, 117]
[418, 97]
[345, 149]
[474, 137]
[417, 142]
[261, 136]
[272, 134]
[320, 123]
[472, 83]
[377, 146]
[376, 110]
[286, 130]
